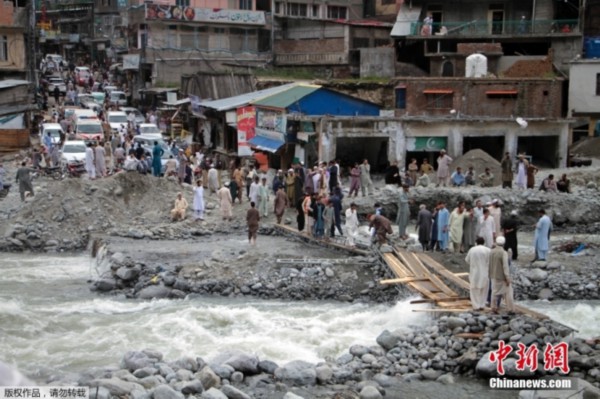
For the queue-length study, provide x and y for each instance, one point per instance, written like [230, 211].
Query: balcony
[311, 59]
[477, 28]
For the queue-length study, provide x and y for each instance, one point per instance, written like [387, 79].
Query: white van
[55, 130]
[115, 119]
[89, 130]
[80, 114]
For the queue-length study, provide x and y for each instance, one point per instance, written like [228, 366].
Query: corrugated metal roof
[287, 97]
[404, 20]
[228, 103]
[8, 83]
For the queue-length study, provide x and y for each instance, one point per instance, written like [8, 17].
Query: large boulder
[213, 393]
[166, 392]
[297, 372]
[208, 378]
[116, 387]
[134, 360]
[154, 291]
[247, 364]
[387, 340]
[234, 393]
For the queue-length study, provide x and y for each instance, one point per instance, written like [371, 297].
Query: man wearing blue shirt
[458, 178]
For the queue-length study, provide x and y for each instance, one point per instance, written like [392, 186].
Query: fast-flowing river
[50, 323]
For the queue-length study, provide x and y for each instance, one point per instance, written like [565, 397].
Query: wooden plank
[460, 298]
[448, 310]
[402, 280]
[435, 279]
[427, 260]
[461, 274]
[469, 335]
[305, 237]
[421, 270]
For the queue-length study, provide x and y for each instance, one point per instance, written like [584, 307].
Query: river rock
[166, 392]
[145, 372]
[370, 392]
[291, 395]
[237, 377]
[510, 369]
[234, 393]
[297, 372]
[431, 375]
[222, 370]
[247, 364]
[152, 381]
[128, 273]
[387, 340]
[545, 293]
[134, 360]
[324, 373]
[115, 386]
[187, 363]
[208, 378]
[192, 387]
[536, 274]
[454, 322]
[485, 367]
[358, 350]
[267, 366]
[446, 379]
[213, 393]
[104, 285]
[154, 291]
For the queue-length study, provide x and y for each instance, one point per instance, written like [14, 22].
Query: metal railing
[491, 28]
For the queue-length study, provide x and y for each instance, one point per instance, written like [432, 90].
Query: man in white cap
[478, 259]
[213, 179]
[443, 172]
[500, 276]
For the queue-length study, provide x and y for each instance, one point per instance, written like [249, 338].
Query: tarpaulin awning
[407, 16]
[265, 144]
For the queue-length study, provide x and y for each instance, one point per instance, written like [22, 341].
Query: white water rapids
[50, 323]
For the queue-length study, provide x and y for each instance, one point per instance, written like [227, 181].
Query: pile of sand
[479, 160]
[586, 147]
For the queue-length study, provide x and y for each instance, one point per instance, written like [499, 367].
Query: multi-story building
[213, 35]
[12, 41]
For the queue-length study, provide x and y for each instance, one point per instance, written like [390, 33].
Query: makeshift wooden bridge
[424, 275]
[333, 244]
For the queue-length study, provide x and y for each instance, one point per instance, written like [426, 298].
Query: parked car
[88, 102]
[115, 119]
[150, 130]
[139, 117]
[82, 75]
[98, 96]
[110, 89]
[53, 82]
[147, 143]
[73, 150]
[117, 98]
[55, 130]
[89, 130]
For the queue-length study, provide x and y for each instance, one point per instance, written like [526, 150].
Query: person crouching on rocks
[181, 205]
[382, 227]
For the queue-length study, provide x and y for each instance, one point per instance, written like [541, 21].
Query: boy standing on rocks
[252, 218]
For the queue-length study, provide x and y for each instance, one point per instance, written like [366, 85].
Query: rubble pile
[586, 147]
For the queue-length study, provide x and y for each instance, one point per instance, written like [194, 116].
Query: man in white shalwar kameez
[351, 224]
[478, 259]
[488, 228]
[90, 166]
[213, 179]
[253, 194]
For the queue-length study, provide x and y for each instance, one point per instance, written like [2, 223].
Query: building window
[438, 99]
[172, 37]
[336, 12]
[315, 11]
[297, 10]
[387, 2]
[360, 42]
[401, 97]
[502, 93]
[245, 4]
[279, 6]
[3, 48]
[182, 3]
[597, 78]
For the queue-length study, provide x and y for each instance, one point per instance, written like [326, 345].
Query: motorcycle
[74, 169]
[51, 171]
[4, 191]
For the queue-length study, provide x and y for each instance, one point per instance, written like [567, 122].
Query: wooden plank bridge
[423, 274]
[417, 270]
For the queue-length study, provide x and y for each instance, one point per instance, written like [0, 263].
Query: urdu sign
[215, 15]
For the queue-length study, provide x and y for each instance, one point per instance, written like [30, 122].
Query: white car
[55, 129]
[89, 130]
[150, 130]
[73, 151]
[115, 119]
[139, 118]
[118, 98]
[54, 81]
